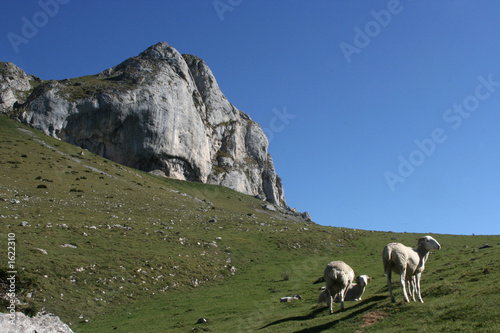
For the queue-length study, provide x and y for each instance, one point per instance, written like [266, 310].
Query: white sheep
[338, 277]
[354, 292]
[357, 289]
[408, 263]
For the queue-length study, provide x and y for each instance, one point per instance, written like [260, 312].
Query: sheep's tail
[336, 274]
[386, 258]
[340, 275]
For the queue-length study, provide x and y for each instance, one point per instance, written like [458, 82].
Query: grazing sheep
[408, 263]
[353, 293]
[338, 276]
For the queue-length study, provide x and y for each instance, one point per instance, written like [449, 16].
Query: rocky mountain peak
[160, 112]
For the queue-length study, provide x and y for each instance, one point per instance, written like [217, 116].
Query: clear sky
[381, 115]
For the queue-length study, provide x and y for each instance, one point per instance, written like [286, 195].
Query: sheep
[290, 298]
[354, 293]
[357, 289]
[338, 276]
[408, 263]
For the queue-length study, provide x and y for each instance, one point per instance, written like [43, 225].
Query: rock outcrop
[160, 112]
[42, 322]
[14, 85]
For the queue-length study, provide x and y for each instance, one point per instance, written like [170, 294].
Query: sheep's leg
[408, 288]
[412, 283]
[414, 286]
[329, 301]
[417, 286]
[411, 288]
[389, 286]
[403, 285]
[342, 297]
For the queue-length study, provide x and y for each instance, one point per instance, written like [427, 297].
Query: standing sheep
[338, 277]
[408, 263]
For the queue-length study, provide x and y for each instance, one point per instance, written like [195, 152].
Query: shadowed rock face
[160, 111]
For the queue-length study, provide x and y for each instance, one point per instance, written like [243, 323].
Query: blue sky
[382, 115]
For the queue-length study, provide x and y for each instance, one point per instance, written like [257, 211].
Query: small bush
[30, 309]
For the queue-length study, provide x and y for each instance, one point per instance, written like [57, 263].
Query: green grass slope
[112, 249]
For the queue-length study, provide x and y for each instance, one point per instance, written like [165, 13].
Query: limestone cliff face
[161, 112]
[14, 85]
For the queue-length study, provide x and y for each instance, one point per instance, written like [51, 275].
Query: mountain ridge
[159, 112]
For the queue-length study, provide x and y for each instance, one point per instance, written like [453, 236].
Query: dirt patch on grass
[372, 318]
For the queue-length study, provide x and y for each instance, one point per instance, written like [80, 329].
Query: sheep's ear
[319, 280]
[369, 279]
[421, 241]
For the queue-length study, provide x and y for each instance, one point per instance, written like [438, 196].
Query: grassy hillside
[108, 248]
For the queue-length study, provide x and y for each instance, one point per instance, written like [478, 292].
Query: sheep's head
[429, 243]
[363, 280]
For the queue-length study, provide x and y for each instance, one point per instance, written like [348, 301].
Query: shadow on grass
[365, 306]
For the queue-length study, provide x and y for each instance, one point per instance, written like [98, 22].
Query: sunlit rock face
[14, 86]
[160, 112]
